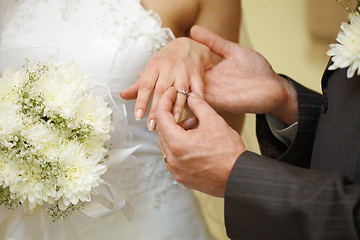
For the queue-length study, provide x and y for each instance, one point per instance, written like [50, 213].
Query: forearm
[298, 153]
[288, 112]
[221, 17]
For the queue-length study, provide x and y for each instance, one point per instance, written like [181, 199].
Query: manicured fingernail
[177, 117]
[151, 125]
[139, 114]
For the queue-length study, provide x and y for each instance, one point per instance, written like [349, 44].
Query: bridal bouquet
[52, 135]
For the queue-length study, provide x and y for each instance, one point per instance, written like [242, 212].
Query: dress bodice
[112, 40]
[107, 30]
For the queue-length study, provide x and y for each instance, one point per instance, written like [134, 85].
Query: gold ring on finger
[182, 91]
[164, 157]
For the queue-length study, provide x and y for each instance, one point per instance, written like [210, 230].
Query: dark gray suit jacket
[309, 190]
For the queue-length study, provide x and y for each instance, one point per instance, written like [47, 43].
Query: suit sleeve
[283, 199]
[299, 151]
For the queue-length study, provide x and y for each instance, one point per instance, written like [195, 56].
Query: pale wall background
[280, 30]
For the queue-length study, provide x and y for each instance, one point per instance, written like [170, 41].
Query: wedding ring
[164, 157]
[182, 91]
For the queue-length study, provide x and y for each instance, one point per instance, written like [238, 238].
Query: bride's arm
[183, 61]
[220, 16]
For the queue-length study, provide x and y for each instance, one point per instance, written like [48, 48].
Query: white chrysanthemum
[94, 111]
[39, 136]
[10, 82]
[80, 174]
[25, 182]
[95, 144]
[346, 53]
[32, 190]
[63, 88]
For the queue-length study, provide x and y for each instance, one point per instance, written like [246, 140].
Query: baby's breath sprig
[81, 133]
[57, 215]
[6, 200]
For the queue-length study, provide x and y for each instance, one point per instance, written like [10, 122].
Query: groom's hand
[200, 158]
[244, 81]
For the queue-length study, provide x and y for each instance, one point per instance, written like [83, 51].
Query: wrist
[288, 111]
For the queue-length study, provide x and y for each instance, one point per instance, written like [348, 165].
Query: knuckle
[174, 165]
[176, 149]
[160, 89]
[179, 111]
[156, 113]
[178, 108]
[158, 62]
[169, 62]
[182, 85]
[181, 41]
[152, 112]
[146, 85]
[154, 62]
[178, 178]
[197, 72]
[182, 65]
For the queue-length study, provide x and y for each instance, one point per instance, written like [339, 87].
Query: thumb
[217, 44]
[201, 109]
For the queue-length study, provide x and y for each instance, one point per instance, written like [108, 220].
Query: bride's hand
[181, 64]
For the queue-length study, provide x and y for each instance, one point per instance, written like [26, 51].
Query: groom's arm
[269, 199]
[298, 152]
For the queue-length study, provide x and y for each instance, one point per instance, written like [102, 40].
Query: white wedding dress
[112, 40]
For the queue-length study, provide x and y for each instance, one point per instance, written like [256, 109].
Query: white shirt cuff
[286, 134]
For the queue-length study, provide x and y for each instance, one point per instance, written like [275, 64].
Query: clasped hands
[202, 150]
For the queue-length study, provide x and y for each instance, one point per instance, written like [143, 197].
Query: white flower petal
[346, 52]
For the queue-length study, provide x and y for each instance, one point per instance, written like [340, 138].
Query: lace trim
[154, 178]
[69, 8]
[115, 17]
[147, 25]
